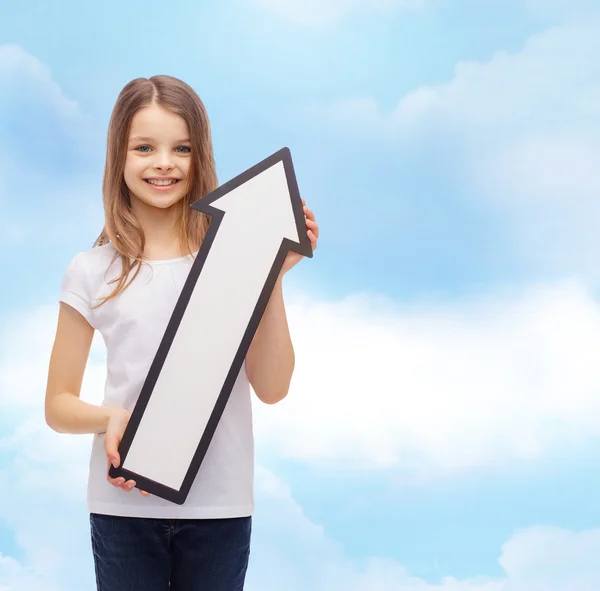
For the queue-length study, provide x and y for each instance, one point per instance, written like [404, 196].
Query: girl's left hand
[312, 229]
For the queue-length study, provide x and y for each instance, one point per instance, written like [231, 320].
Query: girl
[159, 160]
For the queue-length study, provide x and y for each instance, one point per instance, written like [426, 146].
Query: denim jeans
[138, 554]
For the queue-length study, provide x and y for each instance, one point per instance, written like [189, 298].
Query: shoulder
[81, 277]
[93, 262]
[88, 268]
[97, 257]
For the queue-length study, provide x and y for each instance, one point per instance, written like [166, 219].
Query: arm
[65, 411]
[270, 358]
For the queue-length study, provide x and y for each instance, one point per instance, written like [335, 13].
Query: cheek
[131, 176]
[186, 169]
[133, 169]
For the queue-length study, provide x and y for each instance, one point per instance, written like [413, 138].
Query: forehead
[157, 122]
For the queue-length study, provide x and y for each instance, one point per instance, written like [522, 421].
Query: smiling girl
[159, 161]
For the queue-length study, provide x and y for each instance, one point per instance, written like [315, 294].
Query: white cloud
[292, 550]
[423, 389]
[287, 549]
[534, 99]
[24, 72]
[325, 12]
[302, 556]
[15, 577]
[43, 150]
[36, 117]
[42, 473]
[521, 133]
[536, 559]
[25, 354]
[503, 377]
[550, 558]
[439, 387]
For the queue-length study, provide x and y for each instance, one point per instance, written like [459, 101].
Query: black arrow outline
[303, 247]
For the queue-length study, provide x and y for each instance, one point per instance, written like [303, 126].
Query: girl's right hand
[114, 433]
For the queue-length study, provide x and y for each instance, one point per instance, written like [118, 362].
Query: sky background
[442, 432]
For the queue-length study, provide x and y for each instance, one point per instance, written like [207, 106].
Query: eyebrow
[151, 139]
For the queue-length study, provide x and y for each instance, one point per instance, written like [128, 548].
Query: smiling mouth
[162, 182]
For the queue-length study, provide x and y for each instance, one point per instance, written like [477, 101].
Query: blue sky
[443, 424]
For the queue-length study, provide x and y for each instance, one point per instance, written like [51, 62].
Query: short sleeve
[75, 288]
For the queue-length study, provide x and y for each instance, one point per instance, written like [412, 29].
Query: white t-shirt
[132, 326]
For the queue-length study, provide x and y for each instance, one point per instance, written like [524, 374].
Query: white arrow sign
[257, 217]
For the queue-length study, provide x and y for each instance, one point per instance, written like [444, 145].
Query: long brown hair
[121, 227]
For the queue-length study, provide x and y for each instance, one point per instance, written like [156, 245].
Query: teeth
[161, 183]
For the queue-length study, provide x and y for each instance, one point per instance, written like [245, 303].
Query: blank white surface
[258, 216]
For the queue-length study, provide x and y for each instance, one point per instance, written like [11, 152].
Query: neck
[160, 230]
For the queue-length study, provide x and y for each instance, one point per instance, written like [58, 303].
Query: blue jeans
[137, 554]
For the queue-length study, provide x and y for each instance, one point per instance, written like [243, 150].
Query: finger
[313, 239]
[111, 446]
[114, 481]
[129, 485]
[309, 213]
[143, 492]
[121, 483]
[313, 226]
[117, 482]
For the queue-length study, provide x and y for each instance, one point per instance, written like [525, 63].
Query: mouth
[162, 182]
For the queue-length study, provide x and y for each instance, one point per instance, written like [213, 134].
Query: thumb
[111, 444]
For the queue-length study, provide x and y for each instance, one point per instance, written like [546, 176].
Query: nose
[163, 161]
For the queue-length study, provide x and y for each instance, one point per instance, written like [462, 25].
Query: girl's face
[158, 158]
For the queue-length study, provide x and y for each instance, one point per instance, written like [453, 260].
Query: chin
[165, 203]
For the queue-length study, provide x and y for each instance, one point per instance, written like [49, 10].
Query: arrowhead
[265, 199]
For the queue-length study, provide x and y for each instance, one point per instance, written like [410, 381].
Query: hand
[114, 433]
[312, 229]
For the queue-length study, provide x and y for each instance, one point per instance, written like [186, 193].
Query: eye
[185, 148]
[141, 148]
